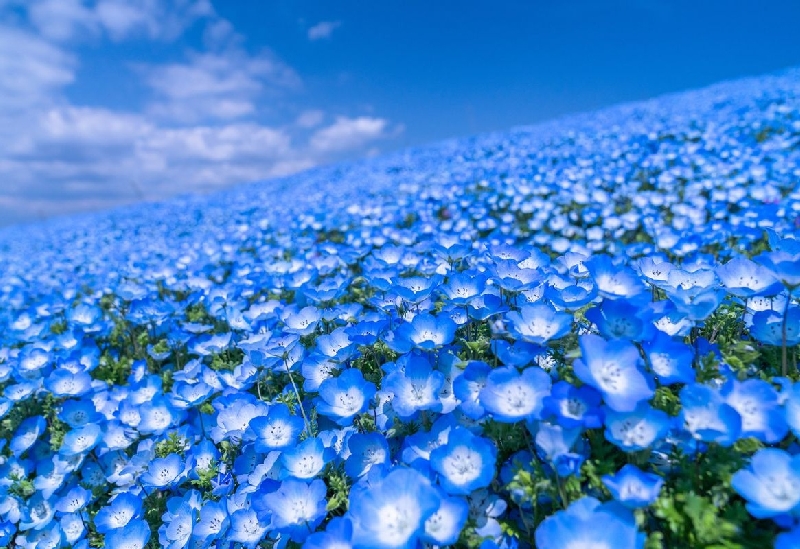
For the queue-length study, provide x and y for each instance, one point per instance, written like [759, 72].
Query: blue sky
[107, 102]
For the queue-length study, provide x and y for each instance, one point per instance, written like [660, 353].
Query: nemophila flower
[538, 323]
[246, 528]
[768, 327]
[73, 501]
[278, 430]
[303, 321]
[342, 398]
[307, 459]
[745, 278]
[632, 487]
[80, 440]
[555, 445]
[63, 383]
[163, 472]
[234, 417]
[445, 525]
[391, 513]
[27, 434]
[757, 403]
[212, 524]
[636, 430]
[465, 463]
[569, 294]
[296, 507]
[615, 369]
[573, 406]
[425, 332]
[706, 415]
[623, 319]
[784, 265]
[415, 388]
[588, 523]
[511, 396]
[511, 276]
[77, 413]
[418, 447]
[655, 269]
[366, 450]
[315, 370]
[670, 360]
[415, 288]
[121, 524]
[336, 345]
[186, 395]
[157, 416]
[485, 508]
[770, 484]
[519, 353]
[73, 527]
[462, 287]
[37, 513]
[613, 281]
[338, 534]
[486, 305]
[177, 526]
[467, 388]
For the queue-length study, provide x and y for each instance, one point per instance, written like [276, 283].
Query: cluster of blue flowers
[582, 334]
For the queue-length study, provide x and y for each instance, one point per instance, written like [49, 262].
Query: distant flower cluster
[577, 335]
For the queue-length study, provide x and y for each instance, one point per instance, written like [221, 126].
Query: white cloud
[203, 128]
[310, 119]
[348, 133]
[32, 69]
[219, 85]
[323, 29]
[64, 20]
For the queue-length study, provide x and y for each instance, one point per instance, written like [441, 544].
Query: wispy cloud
[348, 133]
[220, 85]
[323, 29]
[201, 126]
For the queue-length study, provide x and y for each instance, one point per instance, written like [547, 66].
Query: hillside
[580, 330]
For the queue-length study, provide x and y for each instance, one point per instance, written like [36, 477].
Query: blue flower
[511, 396]
[465, 463]
[636, 430]
[296, 507]
[770, 484]
[539, 323]
[587, 523]
[445, 525]
[342, 398]
[415, 387]
[554, 444]
[426, 332]
[163, 472]
[246, 528]
[706, 415]
[623, 318]
[669, 359]
[574, 407]
[632, 487]
[391, 512]
[123, 509]
[277, 430]
[756, 402]
[213, 524]
[307, 459]
[81, 440]
[366, 450]
[467, 388]
[615, 369]
[745, 278]
[133, 535]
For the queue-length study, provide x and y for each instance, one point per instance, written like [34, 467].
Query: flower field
[582, 334]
